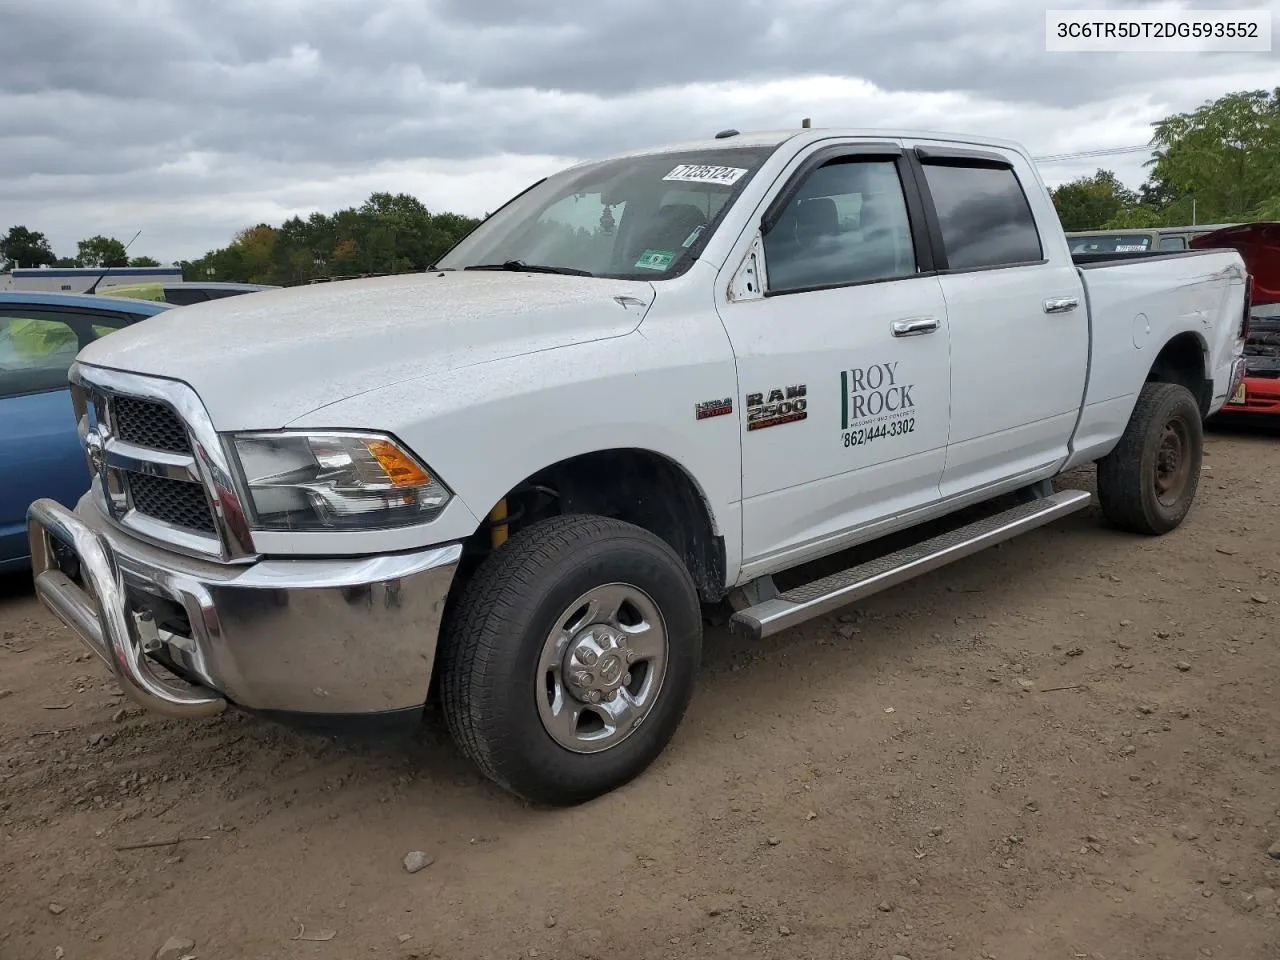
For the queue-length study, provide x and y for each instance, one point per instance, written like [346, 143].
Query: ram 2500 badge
[673, 378]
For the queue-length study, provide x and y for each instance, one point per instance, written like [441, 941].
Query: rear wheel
[1149, 481]
[570, 658]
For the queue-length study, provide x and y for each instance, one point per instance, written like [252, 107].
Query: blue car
[40, 455]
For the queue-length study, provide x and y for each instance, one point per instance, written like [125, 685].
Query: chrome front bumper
[349, 636]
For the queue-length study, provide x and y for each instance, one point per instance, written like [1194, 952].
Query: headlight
[335, 481]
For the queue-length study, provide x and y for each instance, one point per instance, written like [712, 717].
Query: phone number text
[865, 435]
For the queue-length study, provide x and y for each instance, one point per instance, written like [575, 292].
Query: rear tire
[570, 657]
[1149, 481]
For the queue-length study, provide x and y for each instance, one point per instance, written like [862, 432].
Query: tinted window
[1173, 243]
[37, 347]
[985, 218]
[846, 224]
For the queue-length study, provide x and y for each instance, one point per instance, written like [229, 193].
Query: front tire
[1148, 482]
[570, 657]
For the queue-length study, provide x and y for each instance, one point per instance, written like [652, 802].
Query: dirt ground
[1066, 747]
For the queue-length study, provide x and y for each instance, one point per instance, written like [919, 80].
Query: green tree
[144, 262]
[1226, 154]
[1136, 217]
[1087, 203]
[256, 248]
[100, 251]
[1157, 193]
[21, 247]
[1269, 209]
[388, 233]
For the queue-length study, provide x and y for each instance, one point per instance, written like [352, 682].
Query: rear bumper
[1261, 396]
[187, 637]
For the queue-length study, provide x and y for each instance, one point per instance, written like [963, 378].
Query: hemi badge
[712, 408]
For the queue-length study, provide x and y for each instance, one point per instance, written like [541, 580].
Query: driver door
[843, 361]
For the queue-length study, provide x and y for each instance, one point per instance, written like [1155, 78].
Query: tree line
[1217, 164]
[21, 247]
[388, 233]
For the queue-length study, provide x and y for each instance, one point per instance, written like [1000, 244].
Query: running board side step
[820, 597]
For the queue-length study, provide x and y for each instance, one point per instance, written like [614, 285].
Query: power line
[1087, 154]
[1101, 152]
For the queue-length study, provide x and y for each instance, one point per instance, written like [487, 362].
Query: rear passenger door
[842, 358]
[1019, 323]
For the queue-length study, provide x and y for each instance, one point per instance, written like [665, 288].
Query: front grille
[154, 478]
[149, 424]
[173, 501]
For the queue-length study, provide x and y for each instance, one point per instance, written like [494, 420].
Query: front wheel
[1148, 482]
[570, 658]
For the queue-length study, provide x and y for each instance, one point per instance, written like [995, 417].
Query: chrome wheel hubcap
[597, 663]
[602, 668]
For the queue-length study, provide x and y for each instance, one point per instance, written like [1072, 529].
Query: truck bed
[1133, 300]
[1094, 261]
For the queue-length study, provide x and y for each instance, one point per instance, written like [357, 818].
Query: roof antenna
[94, 288]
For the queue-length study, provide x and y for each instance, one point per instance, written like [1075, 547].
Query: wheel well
[637, 486]
[1182, 360]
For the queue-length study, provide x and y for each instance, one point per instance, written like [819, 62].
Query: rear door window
[984, 216]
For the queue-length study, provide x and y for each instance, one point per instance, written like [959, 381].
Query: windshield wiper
[521, 266]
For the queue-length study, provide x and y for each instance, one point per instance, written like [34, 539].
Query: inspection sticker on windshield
[706, 173]
[655, 260]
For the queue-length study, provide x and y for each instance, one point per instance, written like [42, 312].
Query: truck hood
[261, 360]
[1259, 247]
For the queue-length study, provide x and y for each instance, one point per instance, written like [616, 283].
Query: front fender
[486, 428]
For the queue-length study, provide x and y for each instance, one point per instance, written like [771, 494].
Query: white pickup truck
[647, 385]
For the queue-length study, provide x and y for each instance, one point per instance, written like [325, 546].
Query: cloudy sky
[189, 119]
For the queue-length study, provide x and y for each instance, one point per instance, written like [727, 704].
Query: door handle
[914, 326]
[1061, 304]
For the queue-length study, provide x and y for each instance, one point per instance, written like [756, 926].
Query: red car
[1259, 245]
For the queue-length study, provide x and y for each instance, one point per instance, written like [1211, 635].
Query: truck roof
[806, 135]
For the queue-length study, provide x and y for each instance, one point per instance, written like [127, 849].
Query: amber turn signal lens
[400, 470]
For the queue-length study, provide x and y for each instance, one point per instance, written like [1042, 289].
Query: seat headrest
[817, 217]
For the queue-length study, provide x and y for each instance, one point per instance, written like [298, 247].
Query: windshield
[1112, 243]
[644, 217]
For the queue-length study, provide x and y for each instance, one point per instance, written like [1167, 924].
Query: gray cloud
[103, 103]
[231, 53]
